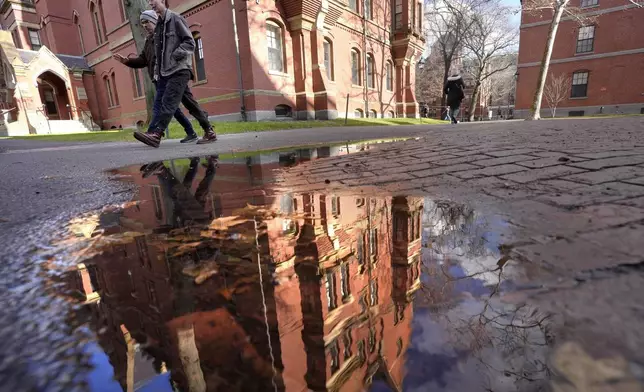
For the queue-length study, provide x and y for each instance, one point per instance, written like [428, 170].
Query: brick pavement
[572, 192]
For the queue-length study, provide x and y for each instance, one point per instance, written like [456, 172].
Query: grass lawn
[222, 128]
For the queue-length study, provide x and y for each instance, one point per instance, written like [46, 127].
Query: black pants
[175, 91]
[454, 108]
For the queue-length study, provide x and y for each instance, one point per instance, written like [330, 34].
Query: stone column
[400, 87]
[411, 106]
[301, 34]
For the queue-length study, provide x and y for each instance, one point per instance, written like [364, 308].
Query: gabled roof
[74, 62]
[71, 62]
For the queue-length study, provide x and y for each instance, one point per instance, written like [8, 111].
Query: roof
[74, 62]
[26, 55]
[71, 62]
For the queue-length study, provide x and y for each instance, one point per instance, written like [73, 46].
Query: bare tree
[429, 81]
[558, 8]
[448, 24]
[490, 37]
[556, 91]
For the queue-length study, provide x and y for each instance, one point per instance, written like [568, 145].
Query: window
[367, 9]
[328, 58]
[347, 341]
[579, 85]
[353, 4]
[357, 113]
[123, 10]
[335, 206]
[138, 83]
[390, 114]
[412, 25]
[585, 39]
[283, 111]
[335, 356]
[398, 14]
[355, 67]
[275, 52]
[331, 295]
[116, 95]
[389, 81]
[344, 282]
[34, 39]
[370, 71]
[373, 242]
[373, 114]
[152, 294]
[588, 3]
[97, 20]
[200, 64]
[108, 90]
[80, 33]
[16, 38]
[419, 6]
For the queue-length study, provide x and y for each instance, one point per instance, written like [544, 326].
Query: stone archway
[54, 96]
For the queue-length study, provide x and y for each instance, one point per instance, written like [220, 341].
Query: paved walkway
[572, 194]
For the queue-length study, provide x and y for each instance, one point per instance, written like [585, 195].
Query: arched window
[353, 5]
[371, 67]
[275, 47]
[110, 90]
[390, 114]
[373, 114]
[389, 76]
[358, 113]
[355, 67]
[96, 11]
[137, 80]
[199, 62]
[80, 32]
[116, 94]
[328, 58]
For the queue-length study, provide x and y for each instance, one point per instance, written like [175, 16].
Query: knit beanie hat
[150, 16]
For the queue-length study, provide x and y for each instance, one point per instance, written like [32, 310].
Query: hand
[121, 59]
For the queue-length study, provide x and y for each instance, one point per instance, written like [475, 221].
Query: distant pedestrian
[174, 48]
[454, 91]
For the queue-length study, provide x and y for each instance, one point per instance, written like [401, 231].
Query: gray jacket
[173, 44]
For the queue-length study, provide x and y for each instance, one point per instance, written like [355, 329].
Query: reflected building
[231, 286]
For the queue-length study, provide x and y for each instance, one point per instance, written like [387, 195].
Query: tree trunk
[545, 62]
[554, 111]
[133, 9]
[448, 65]
[474, 100]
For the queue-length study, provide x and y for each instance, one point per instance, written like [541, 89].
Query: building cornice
[585, 58]
[590, 13]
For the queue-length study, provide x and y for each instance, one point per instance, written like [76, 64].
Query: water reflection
[210, 281]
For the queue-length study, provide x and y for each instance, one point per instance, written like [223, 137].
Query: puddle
[211, 281]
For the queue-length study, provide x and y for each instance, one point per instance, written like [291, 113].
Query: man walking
[146, 59]
[454, 91]
[173, 47]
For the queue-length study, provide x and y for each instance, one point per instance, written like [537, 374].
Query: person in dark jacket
[146, 59]
[454, 91]
[174, 47]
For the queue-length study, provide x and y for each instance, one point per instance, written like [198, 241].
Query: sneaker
[152, 139]
[190, 138]
[209, 137]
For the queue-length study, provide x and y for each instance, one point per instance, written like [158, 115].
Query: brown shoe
[209, 137]
[152, 139]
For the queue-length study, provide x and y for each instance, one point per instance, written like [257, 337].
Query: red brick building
[299, 59]
[602, 59]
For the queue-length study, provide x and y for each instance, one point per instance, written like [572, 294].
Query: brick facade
[307, 38]
[613, 60]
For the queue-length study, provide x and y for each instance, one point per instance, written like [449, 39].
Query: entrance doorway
[53, 95]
